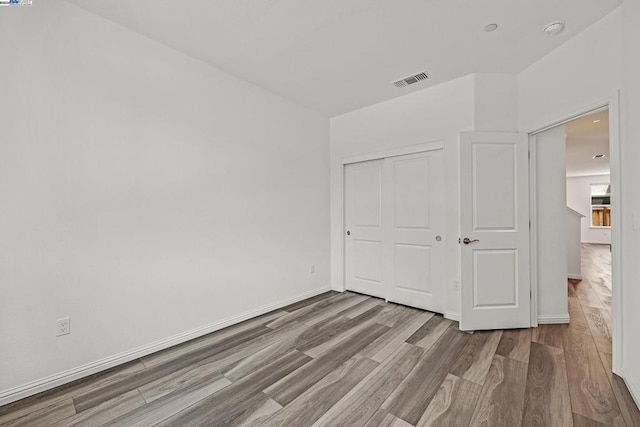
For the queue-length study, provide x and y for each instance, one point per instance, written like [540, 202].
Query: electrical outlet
[312, 268]
[63, 326]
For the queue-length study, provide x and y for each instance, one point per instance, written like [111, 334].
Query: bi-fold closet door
[394, 217]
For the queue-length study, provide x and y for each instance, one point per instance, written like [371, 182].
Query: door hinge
[530, 295]
[529, 224]
[529, 154]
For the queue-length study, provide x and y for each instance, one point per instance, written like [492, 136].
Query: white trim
[575, 213]
[567, 117]
[616, 230]
[343, 232]
[533, 228]
[43, 384]
[452, 316]
[583, 175]
[574, 276]
[552, 320]
[412, 149]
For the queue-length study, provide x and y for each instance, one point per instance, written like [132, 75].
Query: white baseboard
[633, 388]
[55, 380]
[553, 319]
[452, 316]
[543, 319]
[575, 276]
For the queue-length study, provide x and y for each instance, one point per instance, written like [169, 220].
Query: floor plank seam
[475, 406]
[142, 395]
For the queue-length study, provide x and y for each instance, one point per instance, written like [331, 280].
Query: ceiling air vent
[411, 79]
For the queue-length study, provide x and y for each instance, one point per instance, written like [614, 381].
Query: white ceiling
[585, 139]
[336, 56]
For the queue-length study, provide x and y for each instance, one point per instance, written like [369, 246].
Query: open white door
[494, 191]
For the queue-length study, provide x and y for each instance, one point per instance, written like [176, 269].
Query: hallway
[587, 342]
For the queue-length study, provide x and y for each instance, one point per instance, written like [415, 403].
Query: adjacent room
[589, 213]
[302, 213]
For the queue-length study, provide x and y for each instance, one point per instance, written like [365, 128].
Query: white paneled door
[363, 215]
[415, 266]
[394, 229]
[494, 181]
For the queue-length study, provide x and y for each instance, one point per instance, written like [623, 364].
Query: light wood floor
[351, 360]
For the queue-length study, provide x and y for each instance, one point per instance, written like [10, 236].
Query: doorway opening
[575, 212]
[588, 189]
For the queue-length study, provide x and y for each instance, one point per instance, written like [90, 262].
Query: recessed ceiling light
[599, 156]
[596, 121]
[553, 28]
[491, 28]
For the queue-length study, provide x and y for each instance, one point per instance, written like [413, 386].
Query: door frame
[413, 149]
[378, 155]
[613, 105]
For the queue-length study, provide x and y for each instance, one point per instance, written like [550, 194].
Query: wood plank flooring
[353, 360]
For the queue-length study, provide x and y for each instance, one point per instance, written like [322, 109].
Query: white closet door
[394, 215]
[415, 266]
[363, 220]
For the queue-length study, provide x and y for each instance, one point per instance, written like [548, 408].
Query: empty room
[320, 213]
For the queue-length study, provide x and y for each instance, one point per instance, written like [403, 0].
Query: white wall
[144, 194]
[630, 196]
[496, 102]
[583, 71]
[549, 148]
[574, 262]
[579, 199]
[433, 114]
